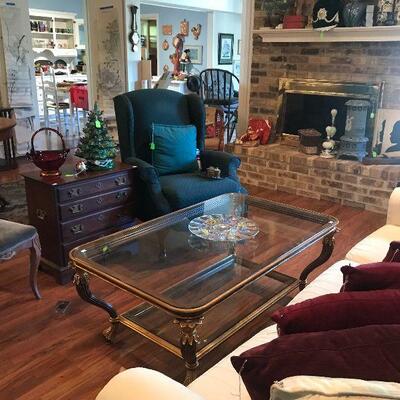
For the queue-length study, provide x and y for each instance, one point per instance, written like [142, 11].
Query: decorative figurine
[213, 173]
[80, 167]
[329, 144]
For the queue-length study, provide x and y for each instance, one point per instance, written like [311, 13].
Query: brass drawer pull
[120, 180]
[76, 229]
[99, 185]
[121, 195]
[76, 208]
[41, 214]
[75, 192]
[99, 200]
[100, 218]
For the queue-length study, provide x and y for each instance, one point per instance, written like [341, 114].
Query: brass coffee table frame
[188, 320]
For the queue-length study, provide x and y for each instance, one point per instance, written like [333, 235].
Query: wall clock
[134, 37]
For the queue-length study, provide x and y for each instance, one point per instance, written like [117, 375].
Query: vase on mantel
[354, 13]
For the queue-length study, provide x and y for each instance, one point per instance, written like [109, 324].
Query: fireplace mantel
[359, 34]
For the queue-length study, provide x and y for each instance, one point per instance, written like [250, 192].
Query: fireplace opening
[307, 104]
[305, 111]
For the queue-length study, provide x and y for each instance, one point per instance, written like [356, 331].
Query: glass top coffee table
[197, 288]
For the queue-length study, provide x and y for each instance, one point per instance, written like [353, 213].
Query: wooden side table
[71, 210]
[7, 137]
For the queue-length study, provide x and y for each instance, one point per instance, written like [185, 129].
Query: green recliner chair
[136, 112]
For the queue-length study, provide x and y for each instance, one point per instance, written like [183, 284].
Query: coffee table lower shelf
[192, 338]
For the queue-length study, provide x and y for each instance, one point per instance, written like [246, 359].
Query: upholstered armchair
[136, 112]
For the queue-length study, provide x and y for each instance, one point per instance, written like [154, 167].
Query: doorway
[149, 37]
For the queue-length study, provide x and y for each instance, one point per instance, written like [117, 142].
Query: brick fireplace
[280, 167]
[283, 168]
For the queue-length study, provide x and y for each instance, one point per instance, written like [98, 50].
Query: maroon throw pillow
[339, 311]
[368, 352]
[393, 254]
[374, 276]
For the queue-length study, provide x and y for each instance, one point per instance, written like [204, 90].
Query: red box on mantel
[294, 22]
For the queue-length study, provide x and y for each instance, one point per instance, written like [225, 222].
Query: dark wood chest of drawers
[68, 211]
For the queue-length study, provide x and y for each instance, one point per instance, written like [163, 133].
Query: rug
[14, 194]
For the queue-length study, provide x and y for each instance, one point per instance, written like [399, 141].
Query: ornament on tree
[96, 146]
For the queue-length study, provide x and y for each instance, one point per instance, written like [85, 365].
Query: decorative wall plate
[220, 227]
[165, 45]
[196, 30]
[184, 27]
[167, 30]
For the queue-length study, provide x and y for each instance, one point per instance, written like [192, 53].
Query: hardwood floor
[49, 355]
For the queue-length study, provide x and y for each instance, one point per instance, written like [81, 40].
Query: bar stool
[7, 133]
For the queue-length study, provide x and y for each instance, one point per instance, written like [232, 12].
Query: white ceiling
[233, 6]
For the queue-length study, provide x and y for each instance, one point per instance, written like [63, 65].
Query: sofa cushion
[174, 148]
[374, 276]
[322, 388]
[369, 352]
[393, 254]
[184, 190]
[375, 246]
[212, 387]
[339, 311]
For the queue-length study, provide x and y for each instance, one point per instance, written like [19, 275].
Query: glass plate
[221, 227]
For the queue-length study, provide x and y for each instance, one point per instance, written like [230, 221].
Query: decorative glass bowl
[222, 228]
[49, 161]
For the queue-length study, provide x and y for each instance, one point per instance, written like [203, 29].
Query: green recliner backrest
[136, 111]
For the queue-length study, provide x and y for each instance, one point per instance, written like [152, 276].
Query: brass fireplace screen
[306, 104]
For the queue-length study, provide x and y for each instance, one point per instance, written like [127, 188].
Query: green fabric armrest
[146, 171]
[226, 162]
[149, 185]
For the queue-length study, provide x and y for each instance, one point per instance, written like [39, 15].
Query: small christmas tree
[96, 146]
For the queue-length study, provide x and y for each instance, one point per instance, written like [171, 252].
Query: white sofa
[221, 382]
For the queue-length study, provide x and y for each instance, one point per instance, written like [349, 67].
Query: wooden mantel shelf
[359, 34]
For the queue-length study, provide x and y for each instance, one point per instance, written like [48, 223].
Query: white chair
[53, 99]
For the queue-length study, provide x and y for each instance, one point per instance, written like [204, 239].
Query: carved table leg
[328, 244]
[81, 282]
[35, 252]
[189, 340]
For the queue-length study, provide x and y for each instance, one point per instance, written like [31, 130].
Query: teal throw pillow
[173, 148]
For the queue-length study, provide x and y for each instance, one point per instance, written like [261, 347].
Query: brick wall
[283, 168]
[355, 62]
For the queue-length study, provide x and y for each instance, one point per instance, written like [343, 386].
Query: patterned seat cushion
[13, 234]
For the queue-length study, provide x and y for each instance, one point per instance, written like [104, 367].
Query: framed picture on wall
[225, 48]
[196, 53]
[236, 68]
